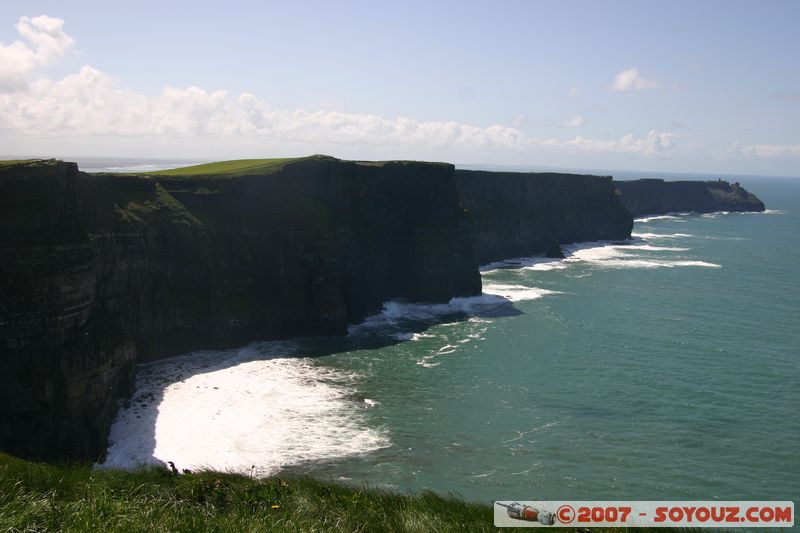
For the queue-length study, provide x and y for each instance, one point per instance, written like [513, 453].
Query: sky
[711, 86]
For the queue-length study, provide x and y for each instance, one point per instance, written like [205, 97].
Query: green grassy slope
[237, 167]
[41, 497]
[38, 497]
[22, 162]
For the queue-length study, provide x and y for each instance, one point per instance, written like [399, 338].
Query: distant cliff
[522, 214]
[100, 271]
[656, 196]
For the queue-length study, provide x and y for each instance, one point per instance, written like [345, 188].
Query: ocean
[664, 367]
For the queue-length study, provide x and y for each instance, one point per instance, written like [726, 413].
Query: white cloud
[90, 103]
[575, 122]
[47, 42]
[89, 106]
[764, 151]
[520, 121]
[630, 80]
[655, 144]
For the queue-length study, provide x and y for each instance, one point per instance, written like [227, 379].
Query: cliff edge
[658, 197]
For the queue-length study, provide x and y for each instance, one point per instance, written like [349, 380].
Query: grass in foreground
[40, 497]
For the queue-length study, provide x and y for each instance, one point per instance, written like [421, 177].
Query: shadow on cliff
[132, 439]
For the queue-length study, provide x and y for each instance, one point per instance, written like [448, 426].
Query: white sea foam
[635, 253]
[668, 216]
[532, 263]
[243, 410]
[538, 263]
[516, 293]
[651, 248]
[613, 256]
[660, 235]
[652, 263]
[581, 252]
[494, 296]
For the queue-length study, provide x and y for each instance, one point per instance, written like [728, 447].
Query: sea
[662, 367]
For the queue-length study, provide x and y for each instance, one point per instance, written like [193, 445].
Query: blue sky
[673, 86]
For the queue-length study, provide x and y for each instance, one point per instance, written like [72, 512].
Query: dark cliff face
[100, 271]
[656, 197]
[61, 366]
[208, 262]
[522, 214]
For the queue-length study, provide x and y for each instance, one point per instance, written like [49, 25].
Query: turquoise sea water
[666, 367]
[639, 380]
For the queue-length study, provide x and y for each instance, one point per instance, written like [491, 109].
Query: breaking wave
[250, 411]
[668, 216]
[636, 235]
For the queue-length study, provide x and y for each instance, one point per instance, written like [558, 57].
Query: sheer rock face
[98, 272]
[658, 197]
[62, 366]
[522, 214]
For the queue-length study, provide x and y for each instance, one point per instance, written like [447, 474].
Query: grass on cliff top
[250, 167]
[237, 167]
[16, 162]
[40, 497]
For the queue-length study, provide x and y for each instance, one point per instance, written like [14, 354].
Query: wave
[660, 235]
[651, 248]
[765, 212]
[395, 313]
[668, 216]
[536, 263]
[603, 255]
[516, 293]
[608, 256]
[449, 344]
[653, 263]
[714, 214]
[251, 411]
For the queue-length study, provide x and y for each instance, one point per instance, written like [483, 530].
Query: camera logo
[527, 513]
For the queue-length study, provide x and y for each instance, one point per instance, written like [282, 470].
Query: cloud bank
[764, 151]
[90, 106]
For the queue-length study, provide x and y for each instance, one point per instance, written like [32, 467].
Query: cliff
[62, 366]
[656, 197]
[522, 214]
[100, 271]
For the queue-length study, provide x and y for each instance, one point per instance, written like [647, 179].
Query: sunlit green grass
[37, 497]
[13, 162]
[40, 497]
[237, 167]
